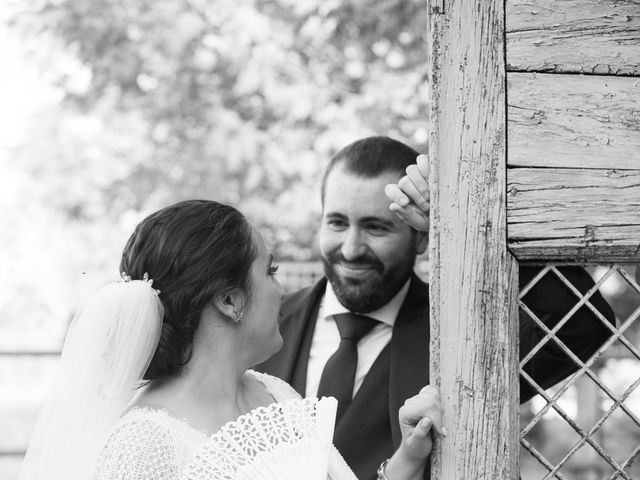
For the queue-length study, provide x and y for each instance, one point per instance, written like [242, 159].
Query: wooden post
[473, 278]
[573, 184]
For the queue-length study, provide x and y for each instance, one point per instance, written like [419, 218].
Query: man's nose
[353, 246]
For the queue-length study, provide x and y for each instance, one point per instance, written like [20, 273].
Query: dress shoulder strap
[276, 387]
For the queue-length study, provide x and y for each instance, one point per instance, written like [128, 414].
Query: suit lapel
[409, 361]
[409, 355]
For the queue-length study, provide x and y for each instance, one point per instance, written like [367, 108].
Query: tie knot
[353, 326]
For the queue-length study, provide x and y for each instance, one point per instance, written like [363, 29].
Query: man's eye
[337, 223]
[273, 269]
[377, 228]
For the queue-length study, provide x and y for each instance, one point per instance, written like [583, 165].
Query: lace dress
[150, 444]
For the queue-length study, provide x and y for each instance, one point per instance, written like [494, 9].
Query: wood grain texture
[472, 275]
[584, 36]
[574, 214]
[573, 121]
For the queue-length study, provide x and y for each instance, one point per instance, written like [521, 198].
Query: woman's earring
[238, 316]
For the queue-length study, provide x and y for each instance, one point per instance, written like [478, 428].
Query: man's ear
[231, 303]
[422, 242]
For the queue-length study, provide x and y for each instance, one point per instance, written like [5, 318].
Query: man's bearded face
[368, 253]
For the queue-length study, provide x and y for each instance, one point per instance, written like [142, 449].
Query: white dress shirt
[326, 337]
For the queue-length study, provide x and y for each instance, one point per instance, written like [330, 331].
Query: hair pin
[125, 277]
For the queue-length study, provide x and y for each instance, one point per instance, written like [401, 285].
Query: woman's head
[193, 251]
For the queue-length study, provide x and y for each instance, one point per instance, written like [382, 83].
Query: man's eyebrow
[335, 214]
[270, 259]
[384, 221]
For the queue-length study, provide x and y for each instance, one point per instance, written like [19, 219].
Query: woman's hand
[418, 416]
[410, 196]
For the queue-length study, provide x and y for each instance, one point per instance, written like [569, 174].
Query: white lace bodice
[150, 444]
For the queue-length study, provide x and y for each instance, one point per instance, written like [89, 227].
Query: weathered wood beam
[473, 278]
[584, 215]
[583, 36]
[574, 121]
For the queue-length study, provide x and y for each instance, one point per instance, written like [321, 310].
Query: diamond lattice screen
[587, 426]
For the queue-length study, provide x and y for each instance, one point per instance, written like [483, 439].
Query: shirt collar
[386, 314]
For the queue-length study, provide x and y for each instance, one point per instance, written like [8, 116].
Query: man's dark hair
[192, 250]
[371, 157]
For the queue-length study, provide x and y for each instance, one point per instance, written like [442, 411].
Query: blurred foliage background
[156, 101]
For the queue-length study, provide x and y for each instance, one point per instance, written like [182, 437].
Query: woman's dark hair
[192, 250]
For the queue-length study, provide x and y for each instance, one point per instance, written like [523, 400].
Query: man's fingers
[396, 195]
[419, 181]
[407, 211]
[411, 215]
[422, 161]
[413, 193]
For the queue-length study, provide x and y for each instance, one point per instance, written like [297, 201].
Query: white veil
[107, 351]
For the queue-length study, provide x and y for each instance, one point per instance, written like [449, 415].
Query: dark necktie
[340, 370]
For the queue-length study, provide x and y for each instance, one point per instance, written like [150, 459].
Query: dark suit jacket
[550, 299]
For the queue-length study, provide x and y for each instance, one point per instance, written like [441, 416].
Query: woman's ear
[231, 304]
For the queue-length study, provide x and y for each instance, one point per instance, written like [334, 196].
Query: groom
[362, 332]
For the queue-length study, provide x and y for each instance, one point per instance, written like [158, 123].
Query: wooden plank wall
[573, 95]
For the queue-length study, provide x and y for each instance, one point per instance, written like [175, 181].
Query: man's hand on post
[410, 196]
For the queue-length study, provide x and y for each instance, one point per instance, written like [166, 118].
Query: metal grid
[586, 368]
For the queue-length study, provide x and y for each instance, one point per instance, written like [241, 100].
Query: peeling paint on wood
[583, 36]
[472, 275]
[574, 214]
[574, 121]
[435, 7]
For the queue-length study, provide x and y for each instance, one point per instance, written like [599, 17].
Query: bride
[157, 363]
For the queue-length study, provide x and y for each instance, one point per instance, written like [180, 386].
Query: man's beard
[369, 293]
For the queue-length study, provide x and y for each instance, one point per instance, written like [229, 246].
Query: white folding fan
[291, 440]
